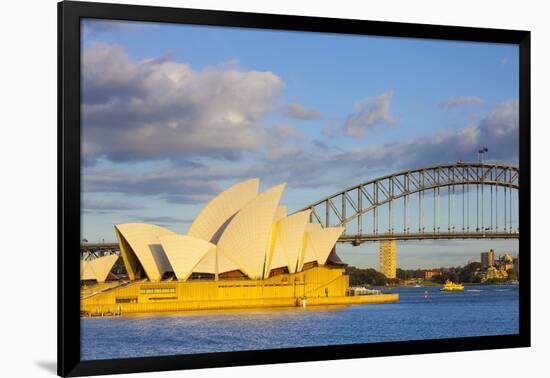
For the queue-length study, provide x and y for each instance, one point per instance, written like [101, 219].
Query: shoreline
[240, 304]
[437, 284]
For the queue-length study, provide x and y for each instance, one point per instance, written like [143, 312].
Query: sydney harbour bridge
[446, 201]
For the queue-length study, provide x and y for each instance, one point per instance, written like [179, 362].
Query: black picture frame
[69, 15]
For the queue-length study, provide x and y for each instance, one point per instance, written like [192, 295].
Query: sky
[173, 114]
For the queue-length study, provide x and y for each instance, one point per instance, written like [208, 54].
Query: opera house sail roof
[211, 221]
[97, 269]
[240, 231]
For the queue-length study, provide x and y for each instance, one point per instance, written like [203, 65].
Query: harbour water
[479, 310]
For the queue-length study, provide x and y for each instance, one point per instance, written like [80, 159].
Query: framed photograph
[255, 189]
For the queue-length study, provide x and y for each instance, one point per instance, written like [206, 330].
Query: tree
[439, 278]
[403, 274]
[446, 276]
[469, 272]
[512, 275]
[360, 277]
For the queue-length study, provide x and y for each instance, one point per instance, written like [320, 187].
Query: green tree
[360, 277]
[439, 278]
[446, 276]
[469, 272]
[512, 275]
[403, 274]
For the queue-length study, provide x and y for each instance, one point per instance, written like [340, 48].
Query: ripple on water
[491, 310]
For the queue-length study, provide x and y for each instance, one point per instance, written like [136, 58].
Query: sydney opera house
[242, 250]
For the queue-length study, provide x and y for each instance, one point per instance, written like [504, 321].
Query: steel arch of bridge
[90, 251]
[369, 196]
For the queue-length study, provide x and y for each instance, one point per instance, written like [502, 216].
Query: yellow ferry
[450, 286]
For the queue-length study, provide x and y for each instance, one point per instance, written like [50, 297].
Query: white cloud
[103, 204]
[160, 219]
[503, 120]
[498, 130]
[368, 113]
[179, 184]
[300, 112]
[455, 102]
[160, 109]
[317, 167]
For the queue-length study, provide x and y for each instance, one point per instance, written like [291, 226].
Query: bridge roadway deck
[428, 236]
[354, 239]
[92, 247]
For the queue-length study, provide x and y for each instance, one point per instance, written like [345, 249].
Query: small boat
[450, 286]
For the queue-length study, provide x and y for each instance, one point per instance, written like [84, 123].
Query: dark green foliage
[444, 276]
[460, 274]
[409, 274]
[469, 273]
[361, 277]
[512, 275]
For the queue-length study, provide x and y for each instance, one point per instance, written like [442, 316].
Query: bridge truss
[90, 251]
[447, 201]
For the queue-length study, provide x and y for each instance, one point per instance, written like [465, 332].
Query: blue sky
[173, 114]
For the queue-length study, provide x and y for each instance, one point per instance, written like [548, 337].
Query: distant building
[429, 273]
[492, 273]
[505, 263]
[499, 268]
[388, 258]
[487, 259]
